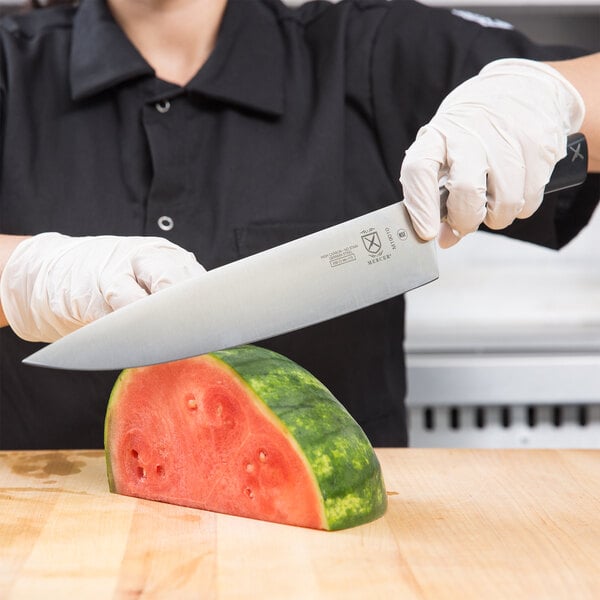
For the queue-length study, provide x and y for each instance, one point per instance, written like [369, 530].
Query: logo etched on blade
[371, 242]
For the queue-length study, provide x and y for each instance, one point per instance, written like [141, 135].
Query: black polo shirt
[298, 120]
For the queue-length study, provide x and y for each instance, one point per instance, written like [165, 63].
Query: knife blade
[327, 274]
[306, 281]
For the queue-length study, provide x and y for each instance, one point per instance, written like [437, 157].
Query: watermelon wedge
[246, 432]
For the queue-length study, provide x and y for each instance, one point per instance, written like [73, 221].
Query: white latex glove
[53, 284]
[497, 138]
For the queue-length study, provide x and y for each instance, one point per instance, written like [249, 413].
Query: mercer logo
[372, 242]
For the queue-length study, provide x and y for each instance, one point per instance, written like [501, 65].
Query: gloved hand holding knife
[53, 284]
[495, 141]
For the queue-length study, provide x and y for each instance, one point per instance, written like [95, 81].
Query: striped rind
[336, 449]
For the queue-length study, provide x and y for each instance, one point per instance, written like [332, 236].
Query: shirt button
[163, 106]
[165, 223]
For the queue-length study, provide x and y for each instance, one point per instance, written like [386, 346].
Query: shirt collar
[245, 69]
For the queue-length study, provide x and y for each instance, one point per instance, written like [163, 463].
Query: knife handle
[569, 172]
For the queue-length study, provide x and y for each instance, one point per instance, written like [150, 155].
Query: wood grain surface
[461, 524]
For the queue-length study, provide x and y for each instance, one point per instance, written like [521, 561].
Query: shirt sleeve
[419, 55]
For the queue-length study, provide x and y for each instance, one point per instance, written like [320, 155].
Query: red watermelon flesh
[212, 446]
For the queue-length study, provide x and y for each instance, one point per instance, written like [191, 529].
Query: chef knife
[306, 281]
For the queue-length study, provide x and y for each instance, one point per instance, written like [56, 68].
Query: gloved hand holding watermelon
[53, 284]
[246, 432]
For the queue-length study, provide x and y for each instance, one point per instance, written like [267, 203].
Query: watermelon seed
[191, 402]
[262, 456]
[134, 453]
[160, 471]
[141, 472]
[249, 493]
[249, 468]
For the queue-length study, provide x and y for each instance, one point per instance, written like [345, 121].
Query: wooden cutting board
[461, 524]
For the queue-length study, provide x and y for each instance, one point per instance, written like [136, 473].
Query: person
[144, 138]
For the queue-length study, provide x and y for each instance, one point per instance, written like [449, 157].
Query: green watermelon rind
[112, 401]
[336, 449]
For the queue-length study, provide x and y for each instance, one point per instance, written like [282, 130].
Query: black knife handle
[570, 171]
